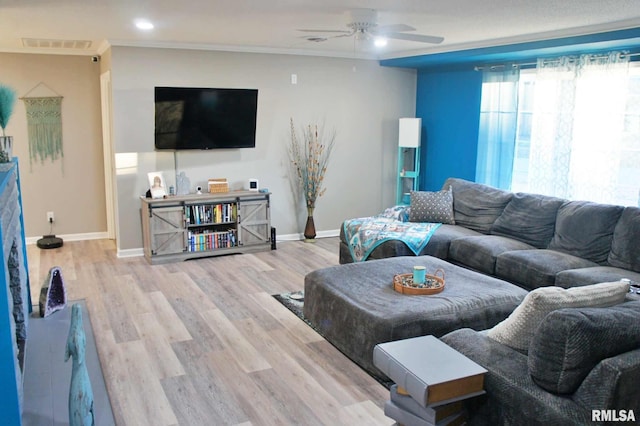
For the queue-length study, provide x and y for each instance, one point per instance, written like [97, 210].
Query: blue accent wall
[449, 104]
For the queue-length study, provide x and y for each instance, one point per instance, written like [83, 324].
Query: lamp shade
[409, 134]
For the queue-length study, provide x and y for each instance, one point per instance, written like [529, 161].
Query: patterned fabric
[517, 330]
[400, 212]
[363, 235]
[434, 207]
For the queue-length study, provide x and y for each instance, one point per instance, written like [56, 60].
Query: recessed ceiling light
[143, 24]
[380, 42]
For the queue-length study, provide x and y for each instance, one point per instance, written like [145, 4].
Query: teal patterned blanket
[363, 235]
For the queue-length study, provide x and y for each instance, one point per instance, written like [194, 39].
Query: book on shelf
[204, 214]
[210, 240]
[429, 370]
[404, 417]
[430, 414]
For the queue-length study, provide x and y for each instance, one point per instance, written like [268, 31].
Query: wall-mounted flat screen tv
[205, 118]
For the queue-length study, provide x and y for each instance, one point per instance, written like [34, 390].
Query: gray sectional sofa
[580, 360]
[530, 240]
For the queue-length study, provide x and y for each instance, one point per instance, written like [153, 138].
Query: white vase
[6, 144]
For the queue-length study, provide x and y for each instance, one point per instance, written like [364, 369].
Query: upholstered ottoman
[355, 307]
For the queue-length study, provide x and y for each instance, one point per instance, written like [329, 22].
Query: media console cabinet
[201, 225]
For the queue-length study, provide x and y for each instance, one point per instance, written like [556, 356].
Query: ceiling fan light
[380, 42]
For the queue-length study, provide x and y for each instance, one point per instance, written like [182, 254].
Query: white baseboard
[136, 252]
[74, 237]
[298, 237]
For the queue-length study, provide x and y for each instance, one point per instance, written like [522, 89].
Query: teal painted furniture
[408, 173]
[15, 302]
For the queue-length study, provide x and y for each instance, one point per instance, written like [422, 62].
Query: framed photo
[157, 185]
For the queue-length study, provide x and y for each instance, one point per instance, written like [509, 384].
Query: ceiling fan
[364, 26]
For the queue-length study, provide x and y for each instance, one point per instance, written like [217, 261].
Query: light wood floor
[202, 342]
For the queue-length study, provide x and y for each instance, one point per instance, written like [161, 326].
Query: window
[577, 132]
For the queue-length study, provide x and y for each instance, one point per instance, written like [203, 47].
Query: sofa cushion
[517, 330]
[480, 252]
[625, 250]
[440, 241]
[476, 206]
[596, 274]
[585, 229]
[570, 342]
[529, 218]
[536, 268]
[435, 207]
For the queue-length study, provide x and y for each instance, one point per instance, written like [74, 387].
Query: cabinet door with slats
[168, 234]
[253, 222]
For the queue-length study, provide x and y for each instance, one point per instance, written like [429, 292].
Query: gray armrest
[612, 384]
[511, 394]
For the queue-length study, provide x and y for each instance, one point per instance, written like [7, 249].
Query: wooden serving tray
[433, 284]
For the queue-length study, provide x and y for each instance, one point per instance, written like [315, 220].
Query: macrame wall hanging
[44, 125]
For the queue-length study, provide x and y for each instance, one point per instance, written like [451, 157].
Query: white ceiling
[271, 25]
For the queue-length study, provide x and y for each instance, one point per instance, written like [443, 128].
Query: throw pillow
[570, 342]
[529, 218]
[434, 207]
[517, 330]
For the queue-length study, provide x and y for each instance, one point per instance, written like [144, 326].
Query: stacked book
[210, 240]
[431, 381]
[205, 214]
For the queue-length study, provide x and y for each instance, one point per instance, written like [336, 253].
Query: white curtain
[577, 129]
[497, 132]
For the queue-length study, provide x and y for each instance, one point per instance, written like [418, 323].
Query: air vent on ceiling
[56, 44]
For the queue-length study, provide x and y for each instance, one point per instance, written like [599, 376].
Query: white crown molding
[504, 41]
[103, 47]
[244, 49]
[49, 51]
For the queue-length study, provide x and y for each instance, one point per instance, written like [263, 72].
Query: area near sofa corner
[567, 258]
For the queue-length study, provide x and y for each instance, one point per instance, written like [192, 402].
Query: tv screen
[205, 118]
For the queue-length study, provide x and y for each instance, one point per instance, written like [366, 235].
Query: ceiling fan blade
[307, 30]
[415, 37]
[393, 28]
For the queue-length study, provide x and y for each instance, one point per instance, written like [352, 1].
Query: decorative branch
[309, 159]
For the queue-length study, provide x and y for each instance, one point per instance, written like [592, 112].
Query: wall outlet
[50, 217]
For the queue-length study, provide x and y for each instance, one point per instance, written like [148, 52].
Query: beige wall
[358, 98]
[73, 188]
